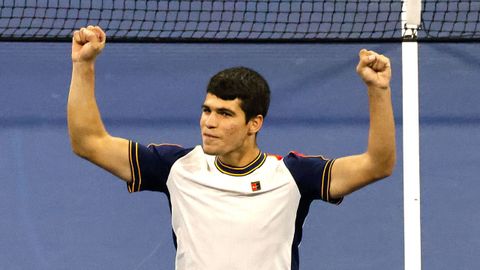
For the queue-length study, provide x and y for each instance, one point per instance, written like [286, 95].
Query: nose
[211, 120]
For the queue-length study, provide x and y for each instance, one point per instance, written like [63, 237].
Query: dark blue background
[60, 212]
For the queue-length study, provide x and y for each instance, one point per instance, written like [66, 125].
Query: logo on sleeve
[256, 186]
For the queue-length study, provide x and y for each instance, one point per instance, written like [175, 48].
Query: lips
[210, 136]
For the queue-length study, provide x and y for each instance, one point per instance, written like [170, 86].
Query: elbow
[81, 148]
[78, 150]
[387, 171]
[85, 145]
[386, 167]
[381, 165]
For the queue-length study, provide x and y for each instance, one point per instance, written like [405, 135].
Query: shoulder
[295, 160]
[166, 150]
[165, 154]
[311, 173]
[302, 166]
[307, 167]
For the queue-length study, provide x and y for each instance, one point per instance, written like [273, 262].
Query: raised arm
[354, 172]
[88, 136]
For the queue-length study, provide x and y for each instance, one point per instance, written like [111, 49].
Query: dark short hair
[245, 84]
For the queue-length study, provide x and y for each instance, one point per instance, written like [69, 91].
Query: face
[223, 126]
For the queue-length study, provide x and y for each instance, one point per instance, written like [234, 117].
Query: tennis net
[220, 21]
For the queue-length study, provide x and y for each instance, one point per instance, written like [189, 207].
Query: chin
[210, 150]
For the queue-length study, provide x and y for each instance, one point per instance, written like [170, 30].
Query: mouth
[209, 136]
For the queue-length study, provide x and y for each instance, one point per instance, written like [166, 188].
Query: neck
[240, 159]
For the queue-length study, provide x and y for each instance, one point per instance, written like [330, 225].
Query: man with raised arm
[232, 205]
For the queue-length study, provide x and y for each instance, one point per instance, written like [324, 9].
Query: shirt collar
[241, 171]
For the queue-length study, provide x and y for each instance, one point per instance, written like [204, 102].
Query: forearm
[381, 140]
[84, 120]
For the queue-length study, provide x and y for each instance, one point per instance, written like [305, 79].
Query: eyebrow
[219, 110]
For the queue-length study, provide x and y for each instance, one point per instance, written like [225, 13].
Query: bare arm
[354, 172]
[88, 136]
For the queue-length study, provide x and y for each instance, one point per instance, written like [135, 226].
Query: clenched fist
[374, 69]
[87, 43]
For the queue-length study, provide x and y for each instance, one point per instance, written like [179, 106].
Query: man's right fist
[87, 43]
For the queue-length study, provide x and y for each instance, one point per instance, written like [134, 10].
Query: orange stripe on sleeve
[131, 186]
[138, 168]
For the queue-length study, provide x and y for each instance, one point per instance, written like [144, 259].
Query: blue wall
[60, 212]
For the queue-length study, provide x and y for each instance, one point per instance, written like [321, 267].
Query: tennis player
[233, 206]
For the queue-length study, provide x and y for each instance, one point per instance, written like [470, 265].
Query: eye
[225, 113]
[205, 109]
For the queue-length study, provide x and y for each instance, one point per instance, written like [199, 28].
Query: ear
[255, 124]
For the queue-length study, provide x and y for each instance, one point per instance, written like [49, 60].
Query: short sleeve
[150, 165]
[312, 175]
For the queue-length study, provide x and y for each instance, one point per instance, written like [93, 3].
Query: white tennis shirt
[232, 218]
